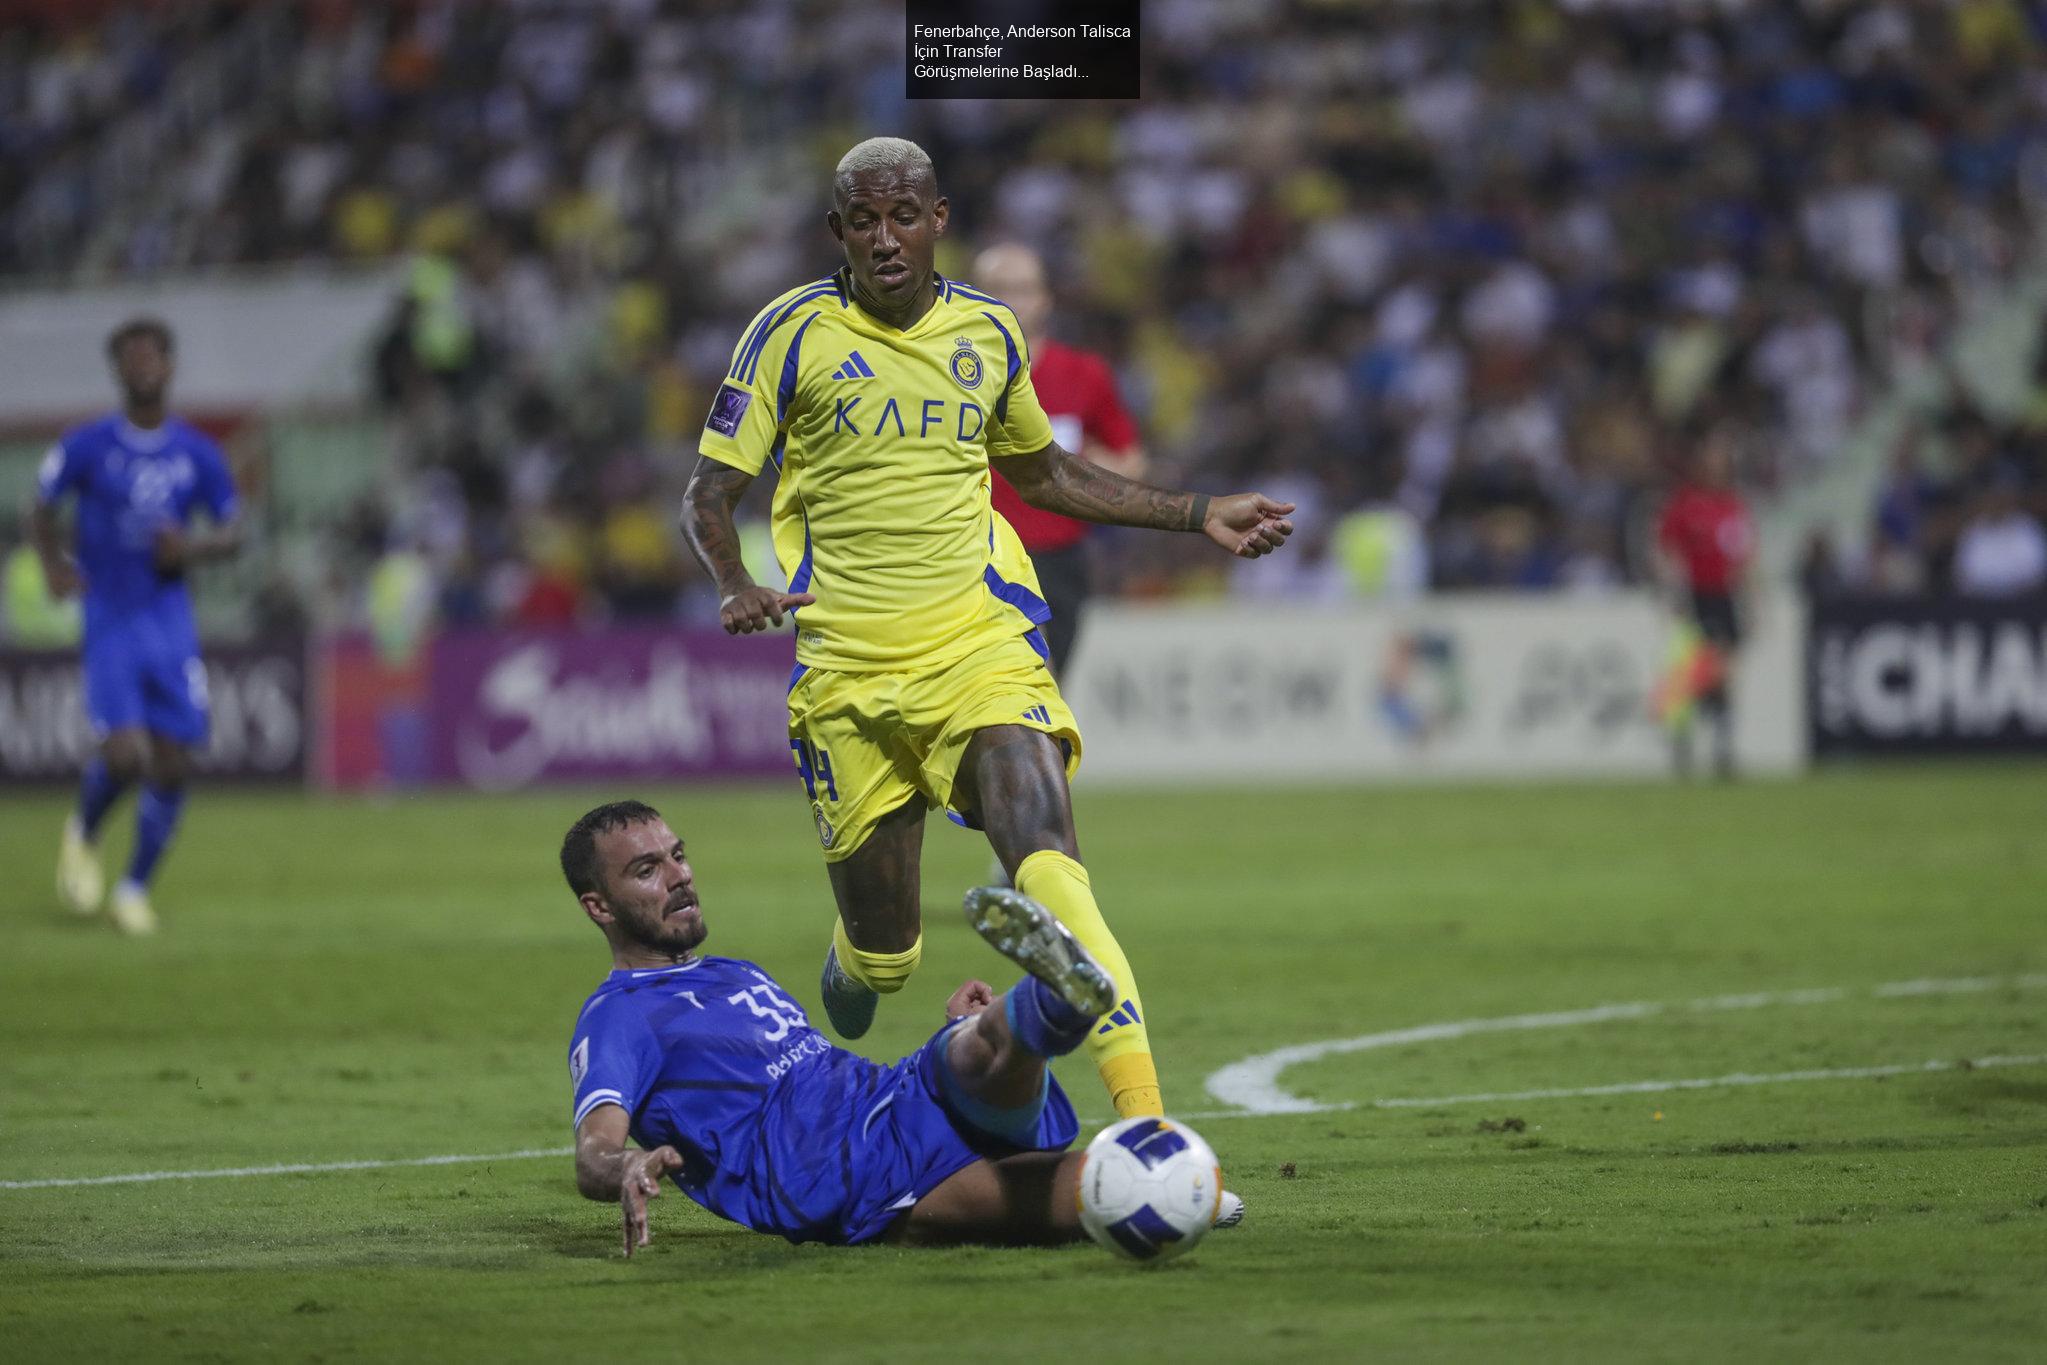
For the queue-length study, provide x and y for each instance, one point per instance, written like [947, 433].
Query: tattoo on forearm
[1072, 487]
[714, 490]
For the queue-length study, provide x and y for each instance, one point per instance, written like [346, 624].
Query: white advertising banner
[1461, 686]
[259, 342]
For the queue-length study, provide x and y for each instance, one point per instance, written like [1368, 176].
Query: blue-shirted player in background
[137, 476]
[717, 1074]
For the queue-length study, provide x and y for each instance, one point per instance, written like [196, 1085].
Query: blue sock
[97, 795]
[1044, 1023]
[156, 819]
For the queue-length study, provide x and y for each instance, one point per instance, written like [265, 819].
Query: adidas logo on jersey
[854, 368]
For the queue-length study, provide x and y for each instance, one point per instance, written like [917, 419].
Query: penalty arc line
[1739, 1078]
[1252, 1086]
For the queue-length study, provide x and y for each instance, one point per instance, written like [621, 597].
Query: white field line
[1578, 1092]
[293, 1168]
[1252, 1085]
[1840, 1073]
[1284, 1057]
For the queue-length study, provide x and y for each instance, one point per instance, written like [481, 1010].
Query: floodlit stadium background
[1468, 282]
[1506, 1062]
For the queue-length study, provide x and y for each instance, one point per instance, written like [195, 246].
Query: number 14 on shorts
[814, 765]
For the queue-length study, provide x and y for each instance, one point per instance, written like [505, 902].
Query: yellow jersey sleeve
[749, 411]
[1020, 426]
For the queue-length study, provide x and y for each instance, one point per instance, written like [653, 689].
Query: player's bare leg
[1013, 779]
[1017, 777]
[880, 933]
[1029, 935]
[995, 1077]
[1030, 1199]
[121, 760]
[156, 820]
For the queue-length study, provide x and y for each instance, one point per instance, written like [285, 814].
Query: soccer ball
[1149, 1189]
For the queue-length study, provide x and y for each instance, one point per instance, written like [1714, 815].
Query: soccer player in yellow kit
[881, 393]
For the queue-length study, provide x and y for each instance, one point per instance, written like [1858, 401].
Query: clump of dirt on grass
[1506, 1125]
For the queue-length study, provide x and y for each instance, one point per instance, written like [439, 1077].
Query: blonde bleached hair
[881, 154]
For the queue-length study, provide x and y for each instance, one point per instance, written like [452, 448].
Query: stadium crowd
[1467, 281]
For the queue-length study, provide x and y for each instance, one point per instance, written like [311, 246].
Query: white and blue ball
[1149, 1189]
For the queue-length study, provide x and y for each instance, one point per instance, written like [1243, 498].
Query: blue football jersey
[779, 1129]
[129, 483]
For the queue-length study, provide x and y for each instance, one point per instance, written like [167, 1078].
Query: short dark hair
[156, 329]
[579, 845]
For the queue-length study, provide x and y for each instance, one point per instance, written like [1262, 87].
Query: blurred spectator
[1821, 573]
[1904, 503]
[1498, 258]
[2002, 551]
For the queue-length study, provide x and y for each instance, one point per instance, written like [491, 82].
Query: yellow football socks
[882, 973]
[1121, 1048]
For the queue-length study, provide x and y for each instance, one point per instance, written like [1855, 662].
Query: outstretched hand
[752, 609]
[640, 1181]
[1248, 524]
[971, 998]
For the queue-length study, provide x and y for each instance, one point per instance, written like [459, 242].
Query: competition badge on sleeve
[728, 409]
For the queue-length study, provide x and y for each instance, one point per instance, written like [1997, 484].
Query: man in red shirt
[1078, 392]
[1706, 540]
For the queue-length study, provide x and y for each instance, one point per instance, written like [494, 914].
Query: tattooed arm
[1245, 524]
[743, 605]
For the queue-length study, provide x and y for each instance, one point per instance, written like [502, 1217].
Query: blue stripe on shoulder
[1015, 364]
[967, 291]
[785, 394]
[753, 334]
[749, 358]
[739, 358]
[750, 362]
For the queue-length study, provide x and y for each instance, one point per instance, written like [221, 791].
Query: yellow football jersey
[882, 438]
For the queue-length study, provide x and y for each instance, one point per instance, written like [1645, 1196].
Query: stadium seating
[1488, 270]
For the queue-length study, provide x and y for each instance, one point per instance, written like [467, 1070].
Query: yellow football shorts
[868, 743]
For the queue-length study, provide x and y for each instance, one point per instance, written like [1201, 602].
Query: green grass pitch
[344, 980]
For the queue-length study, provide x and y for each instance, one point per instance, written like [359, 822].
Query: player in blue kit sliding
[718, 1076]
[137, 476]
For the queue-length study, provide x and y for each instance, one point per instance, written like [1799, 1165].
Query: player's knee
[1033, 826]
[1029, 809]
[169, 766]
[124, 757]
